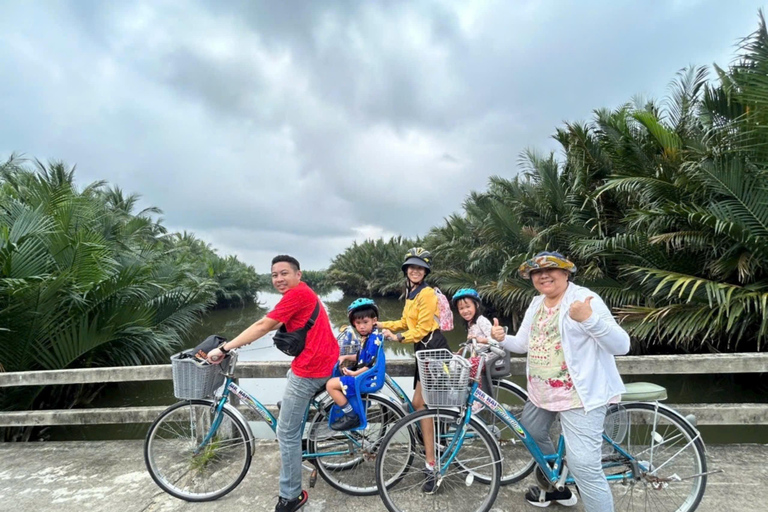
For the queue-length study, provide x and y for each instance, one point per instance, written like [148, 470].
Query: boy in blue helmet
[363, 315]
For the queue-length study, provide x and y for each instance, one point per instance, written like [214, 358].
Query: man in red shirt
[308, 374]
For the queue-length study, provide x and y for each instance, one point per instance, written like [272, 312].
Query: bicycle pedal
[313, 478]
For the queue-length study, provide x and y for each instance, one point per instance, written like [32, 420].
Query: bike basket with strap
[193, 378]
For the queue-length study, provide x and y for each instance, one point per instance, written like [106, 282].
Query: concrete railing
[706, 414]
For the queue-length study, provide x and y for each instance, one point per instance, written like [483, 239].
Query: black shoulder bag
[292, 343]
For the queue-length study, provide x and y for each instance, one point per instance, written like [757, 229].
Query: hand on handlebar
[388, 335]
[215, 356]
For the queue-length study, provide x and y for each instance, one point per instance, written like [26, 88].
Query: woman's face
[550, 282]
[466, 308]
[415, 273]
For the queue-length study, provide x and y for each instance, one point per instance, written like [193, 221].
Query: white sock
[347, 408]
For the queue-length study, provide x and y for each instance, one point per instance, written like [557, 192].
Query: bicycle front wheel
[346, 460]
[401, 466]
[186, 469]
[655, 459]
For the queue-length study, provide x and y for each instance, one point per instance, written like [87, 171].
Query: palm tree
[662, 205]
[79, 285]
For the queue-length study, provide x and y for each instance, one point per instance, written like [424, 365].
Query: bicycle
[200, 449]
[516, 461]
[654, 458]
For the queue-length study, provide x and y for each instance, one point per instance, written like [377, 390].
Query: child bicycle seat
[370, 381]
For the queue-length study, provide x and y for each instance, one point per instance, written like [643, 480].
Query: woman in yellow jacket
[419, 325]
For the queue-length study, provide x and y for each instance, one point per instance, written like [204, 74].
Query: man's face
[284, 277]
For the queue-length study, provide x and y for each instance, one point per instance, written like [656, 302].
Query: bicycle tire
[400, 468]
[671, 456]
[169, 452]
[352, 472]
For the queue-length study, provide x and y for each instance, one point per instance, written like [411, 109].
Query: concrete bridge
[110, 475]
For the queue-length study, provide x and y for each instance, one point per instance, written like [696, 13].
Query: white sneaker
[566, 498]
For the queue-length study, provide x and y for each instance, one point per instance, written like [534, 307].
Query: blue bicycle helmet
[466, 293]
[361, 303]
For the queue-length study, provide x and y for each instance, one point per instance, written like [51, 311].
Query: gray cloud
[299, 127]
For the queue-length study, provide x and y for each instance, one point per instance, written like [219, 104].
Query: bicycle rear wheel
[401, 464]
[666, 464]
[346, 460]
[181, 467]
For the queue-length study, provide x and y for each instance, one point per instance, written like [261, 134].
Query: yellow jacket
[421, 316]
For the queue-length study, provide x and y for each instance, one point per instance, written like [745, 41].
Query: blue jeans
[583, 433]
[290, 425]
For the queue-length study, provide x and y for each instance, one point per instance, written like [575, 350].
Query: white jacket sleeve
[604, 329]
[518, 343]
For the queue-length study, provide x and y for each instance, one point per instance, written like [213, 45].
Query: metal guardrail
[706, 414]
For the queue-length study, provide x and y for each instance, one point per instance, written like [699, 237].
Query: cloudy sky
[297, 127]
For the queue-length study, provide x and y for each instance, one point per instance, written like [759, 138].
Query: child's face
[466, 309]
[364, 325]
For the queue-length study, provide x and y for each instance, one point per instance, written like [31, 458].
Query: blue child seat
[370, 381]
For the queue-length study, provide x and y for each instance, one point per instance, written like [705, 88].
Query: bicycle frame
[399, 393]
[551, 466]
[231, 387]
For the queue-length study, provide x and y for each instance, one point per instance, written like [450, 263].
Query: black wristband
[400, 337]
[223, 350]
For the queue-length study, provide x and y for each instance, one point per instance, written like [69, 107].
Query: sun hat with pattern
[545, 260]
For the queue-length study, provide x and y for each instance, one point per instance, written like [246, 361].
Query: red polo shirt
[321, 351]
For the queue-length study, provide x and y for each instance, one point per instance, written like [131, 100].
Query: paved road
[110, 476]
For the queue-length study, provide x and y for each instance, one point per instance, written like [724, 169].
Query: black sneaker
[346, 422]
[564, 497]
[286, 505]
[430, 481]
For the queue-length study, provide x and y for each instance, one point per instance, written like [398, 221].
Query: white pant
[583, 433]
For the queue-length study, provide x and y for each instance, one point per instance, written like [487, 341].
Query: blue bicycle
[517, 462]
[653, 457]
[200, 449]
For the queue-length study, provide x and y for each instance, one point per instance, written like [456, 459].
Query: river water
[230, 322]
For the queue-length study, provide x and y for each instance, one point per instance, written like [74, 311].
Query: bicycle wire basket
[349, 343]
[193, 379]
[444, 377]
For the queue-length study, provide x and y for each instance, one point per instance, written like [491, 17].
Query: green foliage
[663, 207]
[317, 280]
[371, 268]
[86, 281]
[236, 282]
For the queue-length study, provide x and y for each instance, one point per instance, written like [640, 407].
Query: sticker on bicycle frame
[243, 395]
[499, 410]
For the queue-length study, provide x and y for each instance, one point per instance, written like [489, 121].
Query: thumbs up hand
[581, 310]
[497, 331]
